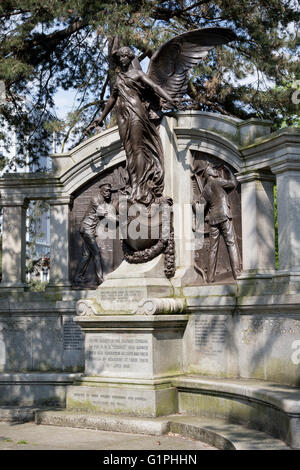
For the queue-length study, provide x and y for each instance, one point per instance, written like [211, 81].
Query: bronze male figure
[97, 209]
[219, 218]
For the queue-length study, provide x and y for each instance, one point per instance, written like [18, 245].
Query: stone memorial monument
[129, 349]
[164, 296]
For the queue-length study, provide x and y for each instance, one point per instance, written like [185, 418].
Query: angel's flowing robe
[141, 140]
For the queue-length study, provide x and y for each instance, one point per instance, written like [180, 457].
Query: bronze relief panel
[217, 198]
[95, 245]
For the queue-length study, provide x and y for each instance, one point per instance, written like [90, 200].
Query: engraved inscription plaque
[120, 298]
[73, 345]
[113, 399]
[121, 354]
[210, 335]
[73, 337]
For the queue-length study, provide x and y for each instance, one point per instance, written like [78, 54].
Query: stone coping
[248, 294]
[128, 322]
[39, 377]
[158, 381]
[283, 397]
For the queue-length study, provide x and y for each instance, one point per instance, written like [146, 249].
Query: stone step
[103, 422]
[224, 436]
[211, 431]
[265, 406]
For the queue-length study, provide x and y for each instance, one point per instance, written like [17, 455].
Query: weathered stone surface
[59, 234]
[259, 404]
[248, 346]
[34, 389]
[104, 422]
[17, 414]
[108, 241]
[13, 244]
[124, 288]
[131, 359]
[211, 431]
[135, 346]
[46, 343]
[258, 229]
[73, 345]
[157, 306]
[123, 399]
[249, 329]
[114, 354]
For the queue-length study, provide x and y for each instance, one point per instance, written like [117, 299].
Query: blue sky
[64, 102]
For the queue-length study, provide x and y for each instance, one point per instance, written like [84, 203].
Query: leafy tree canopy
[66, 44]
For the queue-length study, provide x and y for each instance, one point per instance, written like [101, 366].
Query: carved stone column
[13, 242]
[178, 185]
[258, 225]
[288, 210]
[59, 243]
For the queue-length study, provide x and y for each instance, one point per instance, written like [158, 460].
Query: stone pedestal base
[129, 363]
[137, 398]
[126, 287]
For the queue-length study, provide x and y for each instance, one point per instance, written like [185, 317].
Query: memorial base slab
[135, 398]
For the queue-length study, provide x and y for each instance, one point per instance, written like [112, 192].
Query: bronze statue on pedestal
[139, 98]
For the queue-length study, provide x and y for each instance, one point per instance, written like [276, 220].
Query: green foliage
[35, 285]
[66, 44]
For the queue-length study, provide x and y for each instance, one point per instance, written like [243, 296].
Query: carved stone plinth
[126, 287]
[130, 361]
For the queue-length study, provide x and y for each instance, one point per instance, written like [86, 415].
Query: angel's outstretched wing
[170, 64]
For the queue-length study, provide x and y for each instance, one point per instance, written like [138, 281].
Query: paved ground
[29, 436]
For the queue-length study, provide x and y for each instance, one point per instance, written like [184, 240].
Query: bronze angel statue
[139, 97]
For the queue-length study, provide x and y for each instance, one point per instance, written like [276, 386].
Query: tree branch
[48, 43]
[57, 36]
[197, 4]
[161, 13]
